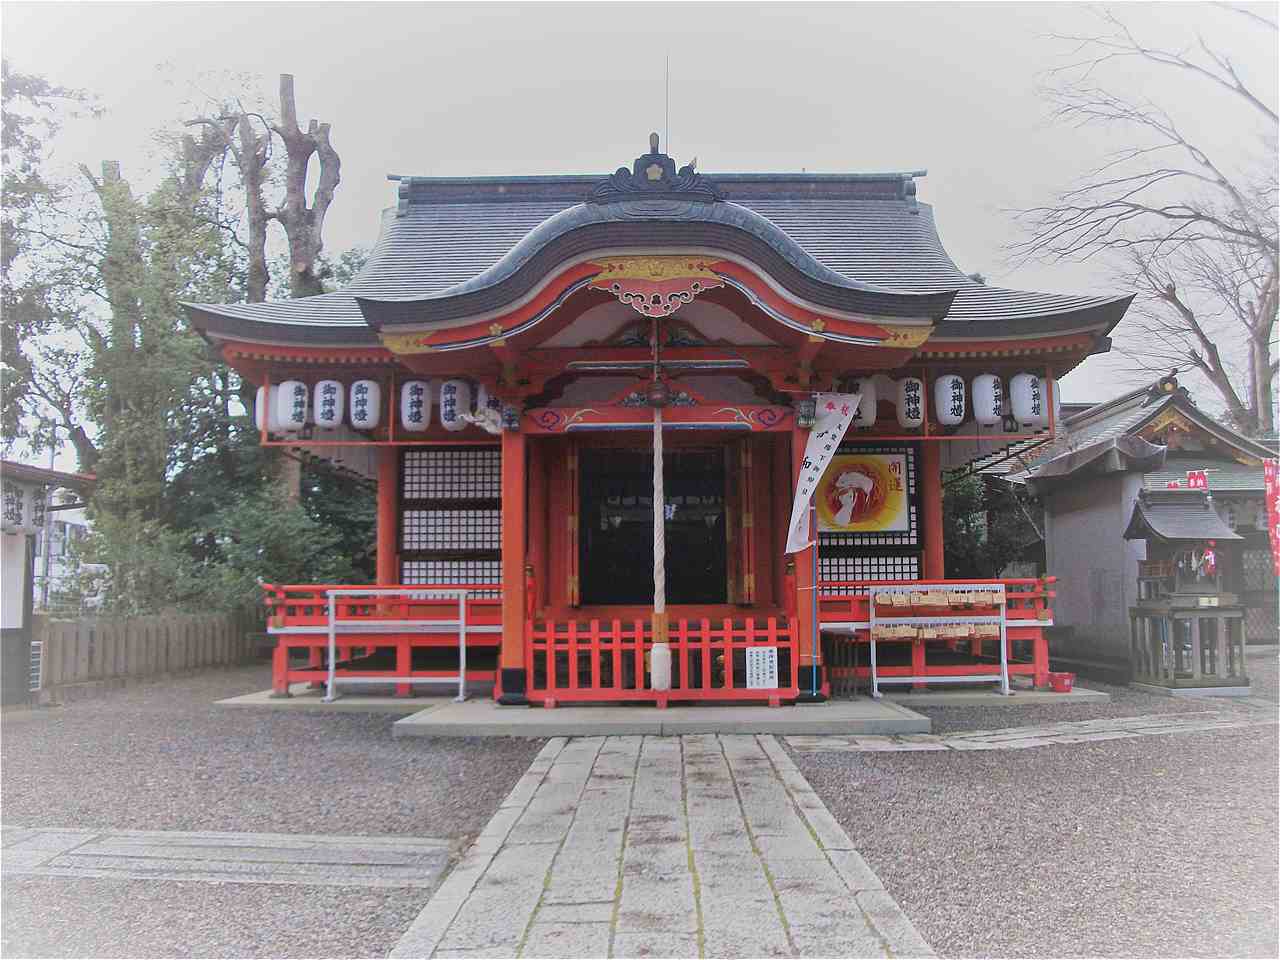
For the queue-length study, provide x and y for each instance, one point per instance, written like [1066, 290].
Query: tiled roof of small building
[1225, 476]
[1177, 515]
[1126, 415]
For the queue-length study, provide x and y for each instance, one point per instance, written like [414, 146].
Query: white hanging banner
[833, 415]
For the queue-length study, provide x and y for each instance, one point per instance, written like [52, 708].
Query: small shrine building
[498, 368]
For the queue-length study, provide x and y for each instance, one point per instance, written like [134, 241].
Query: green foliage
[36, 297]
[188, 512]
[349, 508]
[149, 565]
[259, 538]
[985, 526]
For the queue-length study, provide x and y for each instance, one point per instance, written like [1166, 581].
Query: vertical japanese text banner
[1271, 475]
[834, 413]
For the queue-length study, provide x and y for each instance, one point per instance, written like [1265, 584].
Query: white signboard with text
[762, 668]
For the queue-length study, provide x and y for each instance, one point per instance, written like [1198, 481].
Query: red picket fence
[387, 639]
[595, 660]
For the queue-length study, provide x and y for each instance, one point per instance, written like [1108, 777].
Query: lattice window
[1258, 571]
[453, 473]
[462, 572]
[1260, 623]
[451, 515]
[872, 567]
[452, 530]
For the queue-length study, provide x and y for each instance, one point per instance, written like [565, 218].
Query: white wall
[1096, 567]
[13, 556]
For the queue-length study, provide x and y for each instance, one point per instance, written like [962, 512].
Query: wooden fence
[110, 648]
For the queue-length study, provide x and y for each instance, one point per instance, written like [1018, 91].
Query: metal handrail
[332, 594]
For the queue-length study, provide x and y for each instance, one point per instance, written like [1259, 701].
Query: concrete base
[991, 697]
[1191, 693]
[302, 698]
[484, 718]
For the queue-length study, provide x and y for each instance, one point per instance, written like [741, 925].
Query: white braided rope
[659, 520]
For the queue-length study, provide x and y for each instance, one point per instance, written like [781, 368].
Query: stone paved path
[223, 857]
[695, 846]
[1020, 738]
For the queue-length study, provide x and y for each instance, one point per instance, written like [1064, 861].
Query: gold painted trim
[652, 268]
[405, 343]
[904, 337]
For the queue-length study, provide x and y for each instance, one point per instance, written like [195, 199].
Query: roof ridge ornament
[654, 176]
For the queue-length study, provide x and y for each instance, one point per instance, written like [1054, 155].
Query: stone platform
[991, 697]
[484, 718]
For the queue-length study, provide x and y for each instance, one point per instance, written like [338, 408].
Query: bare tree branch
[1200, 242]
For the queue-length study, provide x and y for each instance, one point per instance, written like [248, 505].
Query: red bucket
[1061, 682]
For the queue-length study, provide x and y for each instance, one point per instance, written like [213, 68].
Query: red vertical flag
[1271, 474]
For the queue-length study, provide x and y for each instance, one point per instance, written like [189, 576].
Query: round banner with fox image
[864, 493]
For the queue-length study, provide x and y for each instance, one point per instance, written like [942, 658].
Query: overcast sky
[437, 89]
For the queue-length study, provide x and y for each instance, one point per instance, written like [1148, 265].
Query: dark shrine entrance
[616, 540]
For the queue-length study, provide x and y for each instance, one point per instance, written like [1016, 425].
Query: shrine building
[526, 366]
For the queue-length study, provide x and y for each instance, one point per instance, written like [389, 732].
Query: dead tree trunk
[252, 154]
[303, 224]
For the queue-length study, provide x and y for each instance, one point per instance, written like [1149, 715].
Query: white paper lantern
[266, 413]
[1027, 401]
[13, 507]
[455, 400]
[366, 404]
[910, 396]
[328, 404]
[487, 401]
[988, 399]
[1051, 387]
[291, 405]
[22, 507]
[260, 408]
[39, 506]
[415, 405]
[948, 399]
[866, 388]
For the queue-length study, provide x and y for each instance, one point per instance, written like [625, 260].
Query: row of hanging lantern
[329, 404]
[22, 506]
[1026, 400]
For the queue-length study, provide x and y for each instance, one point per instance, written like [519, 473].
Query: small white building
[26, 494]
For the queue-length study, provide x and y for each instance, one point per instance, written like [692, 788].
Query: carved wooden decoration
[655, 286]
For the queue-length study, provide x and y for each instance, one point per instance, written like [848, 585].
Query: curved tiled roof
[1179, 515]
[841, 233]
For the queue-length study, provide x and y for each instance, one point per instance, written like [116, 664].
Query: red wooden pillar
[930, 479]
[806, 588]
[511, 654]
[537, 520]
[388, 572]
[280, 670]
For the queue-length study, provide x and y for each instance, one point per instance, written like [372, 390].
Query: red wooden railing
[844, 609]
[297, 617]
[607, 660]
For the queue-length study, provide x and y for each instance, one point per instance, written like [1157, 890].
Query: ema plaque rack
[933, 612]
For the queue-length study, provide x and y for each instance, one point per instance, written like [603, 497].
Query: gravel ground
[163, 757]
[1125, 702]
[1155, 846]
